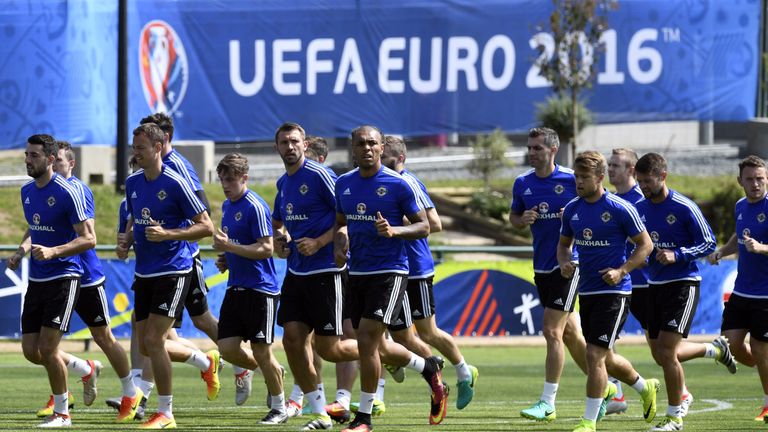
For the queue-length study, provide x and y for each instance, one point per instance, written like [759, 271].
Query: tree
[568, 57]
[489, 156]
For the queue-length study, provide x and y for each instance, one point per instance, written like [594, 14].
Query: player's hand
[281, 246]
[529, 216]
[383, 227]
[221, 263]
[340, 249]
[220, 240]
[665, 256]
[122, 247]
[568, 269]
[42, 253]
[715, 257]
[307, 246]
[612, 276]
[752, 245]
[14, 260]
[155, 232]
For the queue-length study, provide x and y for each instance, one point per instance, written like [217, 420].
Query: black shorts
[641, 305]
[92, 306]
[49, 304]
[346, 308]
[555, 291]
[377, 297]
[196, 303]
[161, 295]
[316, 300]
[248, 314]
[742, 313]
[603, 317]
[672, 307]
[418, 303]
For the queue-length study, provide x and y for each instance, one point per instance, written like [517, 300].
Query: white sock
[297, 395]
[592, 409]
[550, 393]
[146, 387]
[619, 391]
[416, 363]
[237, 370]
[710, 351]
[61, 403]
[639, 385]
[462, 371]
[321, 388]
[136, 374]
[129, 389]
[344, 397]
[674, 411]
[316, 401]
[278, 402]
[380, 389]
[199, 360]
[79, 366]
[366, 402]
[165, 405]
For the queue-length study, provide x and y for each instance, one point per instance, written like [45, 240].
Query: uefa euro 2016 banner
[234, 70]
[471, 298]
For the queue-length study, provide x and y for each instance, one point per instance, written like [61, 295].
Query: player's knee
[293, 343]
[103, 339]
[31, 353]
[47, 350]
[552, 334]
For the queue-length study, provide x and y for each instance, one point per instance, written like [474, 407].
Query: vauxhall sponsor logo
[36, 224]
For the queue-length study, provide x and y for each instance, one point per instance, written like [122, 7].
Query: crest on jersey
[51, 201]
[761, 217]
[303, 189]
[36, 219]
[745, 233]
[163, 67]
[605, 217]
[238, 216]
[654, 236]
[559, 189]
[671, 219]
[544, 207]
[361, 208]
[162, 195]
[381, 191]
[289, 208]
[145, 213]
[587, 233]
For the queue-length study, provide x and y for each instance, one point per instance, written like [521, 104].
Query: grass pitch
[510, 380]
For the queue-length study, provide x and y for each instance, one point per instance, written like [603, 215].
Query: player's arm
[308, 246]
[643, 248]
[704, 239]
[201, 228]
[24, 247]
[340, 240]
[435, 225]
[86, 239]
[565, 256]
[281, 239]
[418, 228]
[524, 219]
[729, 248]
[204, 199]
[260, 249]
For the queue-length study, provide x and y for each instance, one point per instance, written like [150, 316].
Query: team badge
[381, 191]
[225, 228]
[544, 207]
[303, 189]
[671, 219]
[654, 236]
[587, 233]
[745, 233]
[559, 189]
[238, 216]
[163, 67]
[289, 208]
[361, 208]
[761, 217]
[145, 213]
[51, 201]
[162, 195]
[605, 216]
[36, 219]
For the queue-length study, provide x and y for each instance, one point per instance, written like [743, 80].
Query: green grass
[510, 379]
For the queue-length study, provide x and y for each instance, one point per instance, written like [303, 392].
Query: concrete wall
[95, 164]
[201, 155]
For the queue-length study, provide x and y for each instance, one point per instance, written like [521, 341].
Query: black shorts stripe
[688, 307]
[392, 304]
[619, 320]
[572, 289]
[270, 319]
[407, 311]
[70, 304]
[104, 307]
[424, 291]
[339, 291]
[177, 295]
[200, 276]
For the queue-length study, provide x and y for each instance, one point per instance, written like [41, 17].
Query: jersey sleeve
[517, 206]
[259, 220]
[630, 220]
[704, 242]
[122, 217]
[565, 221]
[337, 199]
[327, 185]
[409, 203]
[189, 203]
[277, 213]
[75, 206]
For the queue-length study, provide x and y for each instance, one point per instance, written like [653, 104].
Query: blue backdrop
[234, 70]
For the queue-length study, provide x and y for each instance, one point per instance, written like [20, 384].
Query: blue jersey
[93, 273]
[676, 224]
[245, 221]
[639, 276]
[181, 165]
[752, 276]
[549, 194]
[358, 199]
[123, 217]
[306, 205]
[170, 201]
[420, 262]
[600, 231]
[51, 211]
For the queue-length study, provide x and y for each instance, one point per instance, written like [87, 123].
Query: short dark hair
[233, 163]
[67, 147]
[359, 129]
[394, 146]
[151, 131]
[550, 136]
[751, 161]
[48, 142]
[289, 126]
[163, 120]
[651, 164]
[317, 144]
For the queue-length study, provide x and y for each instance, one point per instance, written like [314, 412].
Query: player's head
[132, 163]
[233, 175]
[311, 154]
[148, 145]
[164, 121]
[589, 169]
[651, 171]
[393, 153]
[65, 159]
[319, 146]
[543, 144]
[621, 166]
[39, 154]
[367, 144]
[290, 143]
[753, 177]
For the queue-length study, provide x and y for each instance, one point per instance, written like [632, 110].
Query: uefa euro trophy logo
[163, 67]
